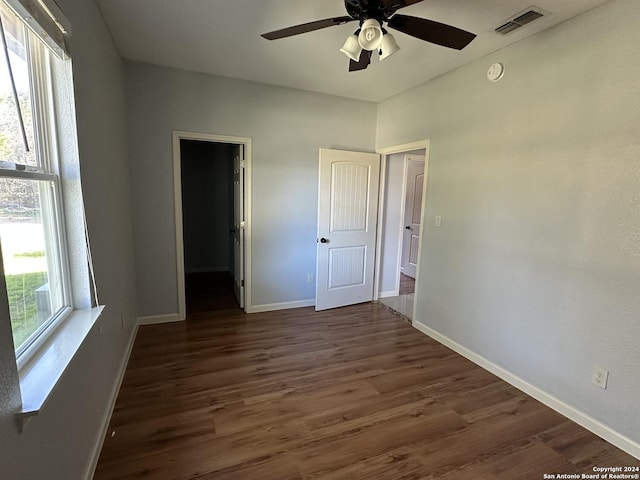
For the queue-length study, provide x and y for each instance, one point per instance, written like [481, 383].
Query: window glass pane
[30, 247]
[12, 145]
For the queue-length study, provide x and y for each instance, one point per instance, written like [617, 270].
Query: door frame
[385, 152]
[178, 135]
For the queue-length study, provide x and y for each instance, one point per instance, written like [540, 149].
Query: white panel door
[238, 224]
[347, 222]
[412, 214]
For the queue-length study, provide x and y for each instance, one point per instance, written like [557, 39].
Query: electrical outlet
[438, 221]
[599, 377]
[310, 278]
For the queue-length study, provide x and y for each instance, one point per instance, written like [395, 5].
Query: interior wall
[59, 442]
[207, 202]
[287, 127]
[536, 179]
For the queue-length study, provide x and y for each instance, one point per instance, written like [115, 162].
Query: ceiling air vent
[520, 20]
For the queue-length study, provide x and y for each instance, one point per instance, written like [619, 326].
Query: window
[32, 237]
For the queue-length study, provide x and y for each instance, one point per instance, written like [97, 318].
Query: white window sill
[39, 377]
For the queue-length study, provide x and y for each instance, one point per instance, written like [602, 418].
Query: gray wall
[206, 169]
[58, 442]
[537, 264]
[287, 127]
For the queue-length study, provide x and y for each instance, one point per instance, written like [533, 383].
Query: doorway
[207, 224]
[403, 189]
[212, 228]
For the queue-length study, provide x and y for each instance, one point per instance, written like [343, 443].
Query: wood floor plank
[407, 284]
[531, 461]
[421, 423]
[354, 393]
[278, 467]
[582, 448]
[363, 408]
[399, 464]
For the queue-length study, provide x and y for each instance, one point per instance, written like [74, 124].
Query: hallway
[211, 291]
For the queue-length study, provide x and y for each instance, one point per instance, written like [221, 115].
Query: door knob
[324, 240]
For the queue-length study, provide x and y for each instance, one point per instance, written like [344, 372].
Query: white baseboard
[270, 307]
[390, 293]
[155, 319]
[106, 419]
[581, 418]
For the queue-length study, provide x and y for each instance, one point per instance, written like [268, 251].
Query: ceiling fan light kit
[388, 46]
[372, 15]
[370, 35]
[352, 48]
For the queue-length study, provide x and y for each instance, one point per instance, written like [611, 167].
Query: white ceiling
[222, 37]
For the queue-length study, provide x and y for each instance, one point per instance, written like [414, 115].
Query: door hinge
[242, 283]
[243, 164]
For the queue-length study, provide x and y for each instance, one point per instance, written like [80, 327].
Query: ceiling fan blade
[430, 31]
[363, 63]
[307, 27]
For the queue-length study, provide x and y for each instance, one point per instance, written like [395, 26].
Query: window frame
[48, 171]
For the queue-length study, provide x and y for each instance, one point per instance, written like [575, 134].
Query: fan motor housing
[372, 10]
[354, 9]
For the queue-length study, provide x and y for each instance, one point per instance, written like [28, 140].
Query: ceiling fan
[371, 36]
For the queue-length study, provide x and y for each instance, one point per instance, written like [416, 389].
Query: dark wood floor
[407, 284]
[210, 291]
[353, 393]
